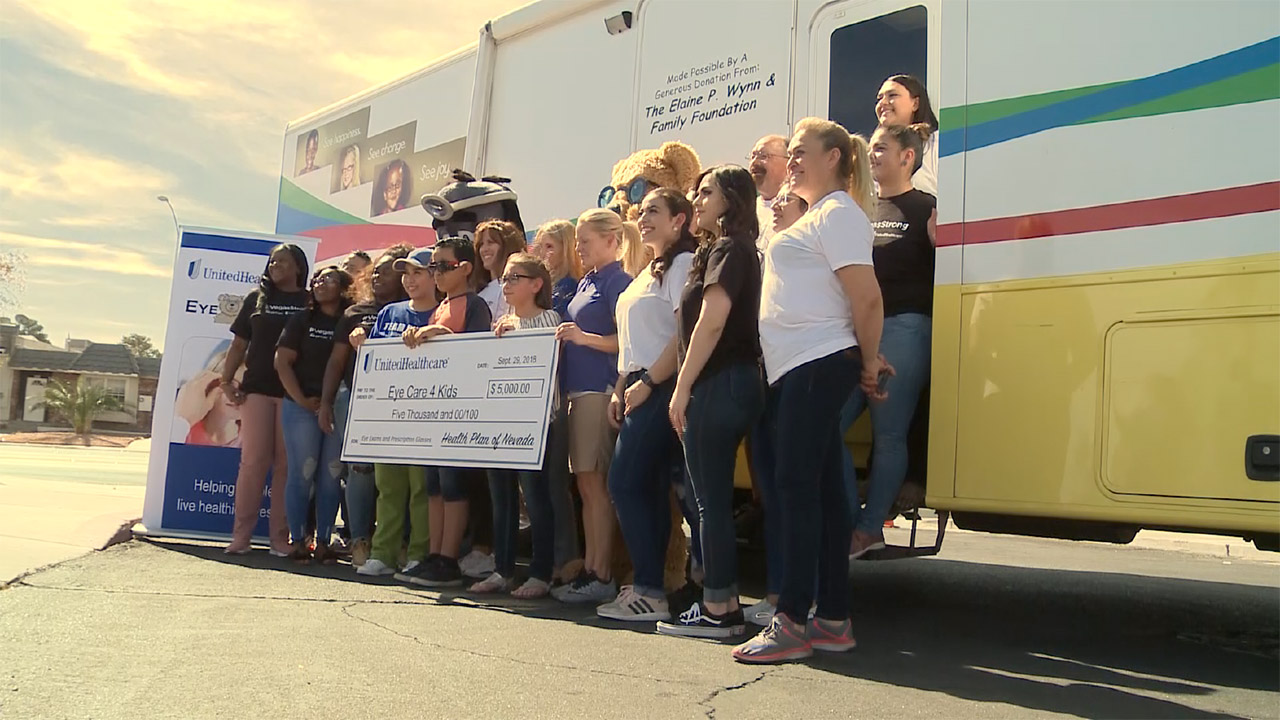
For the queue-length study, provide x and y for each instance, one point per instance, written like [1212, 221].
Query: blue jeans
[506, 517]
[688, 503]
[804, 406]
[313, 465]
[762, 463]
[559, 482]
[640, 486]
[906, 344]
[362, 492]
[723, 407]
[449, 482]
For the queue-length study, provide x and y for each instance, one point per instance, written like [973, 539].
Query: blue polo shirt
[593, 309]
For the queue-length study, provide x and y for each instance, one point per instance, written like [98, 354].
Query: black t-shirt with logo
[360, 315]
[734, 265]
[261, 329]
[903, 255]
[310, 334]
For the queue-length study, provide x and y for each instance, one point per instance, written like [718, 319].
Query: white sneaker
[375, 567]
[760, 613]
[477, 565]
[634, 607]
[589, 590]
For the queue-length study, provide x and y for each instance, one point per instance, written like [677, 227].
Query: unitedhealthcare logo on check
[367, 358]
[197, 271]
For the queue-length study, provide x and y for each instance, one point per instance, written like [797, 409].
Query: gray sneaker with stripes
[634, 607]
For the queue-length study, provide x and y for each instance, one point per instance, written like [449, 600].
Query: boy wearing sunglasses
[462, 311]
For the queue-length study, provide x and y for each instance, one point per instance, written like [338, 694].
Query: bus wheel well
[1044, 527]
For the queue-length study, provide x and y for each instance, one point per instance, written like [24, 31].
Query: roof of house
[98, 358]
[32, 359]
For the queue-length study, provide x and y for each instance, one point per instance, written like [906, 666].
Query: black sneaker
[443, 573]
[414, 572]
[698, 622]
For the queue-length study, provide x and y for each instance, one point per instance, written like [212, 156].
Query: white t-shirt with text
[804, 312]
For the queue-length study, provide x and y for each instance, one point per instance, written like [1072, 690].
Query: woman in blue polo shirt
[590, 369]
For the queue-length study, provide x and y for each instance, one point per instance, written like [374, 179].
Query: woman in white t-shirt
[640, 481]
[903, 100]
[820, 320]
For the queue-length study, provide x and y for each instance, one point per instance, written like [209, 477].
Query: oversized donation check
[470, 400]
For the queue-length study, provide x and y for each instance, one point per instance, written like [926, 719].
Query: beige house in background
[28, 366]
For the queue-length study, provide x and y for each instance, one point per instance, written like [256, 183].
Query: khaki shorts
[590, 436]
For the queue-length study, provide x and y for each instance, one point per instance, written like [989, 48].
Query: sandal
[326, 555]
[300, 554]
[495, 583]
[532, 589]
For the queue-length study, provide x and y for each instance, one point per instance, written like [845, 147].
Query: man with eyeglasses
[767, 163]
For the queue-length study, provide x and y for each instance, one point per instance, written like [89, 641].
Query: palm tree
[82, 405]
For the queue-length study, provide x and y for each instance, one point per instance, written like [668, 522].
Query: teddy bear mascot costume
[673, 165]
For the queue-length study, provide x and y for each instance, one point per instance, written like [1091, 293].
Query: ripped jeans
[313, 465]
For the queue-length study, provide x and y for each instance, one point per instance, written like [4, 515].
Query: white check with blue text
[470, 400]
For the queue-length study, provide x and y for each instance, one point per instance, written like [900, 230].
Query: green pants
[396, 485]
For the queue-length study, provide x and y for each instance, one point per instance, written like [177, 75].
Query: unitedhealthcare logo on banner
[197, 271]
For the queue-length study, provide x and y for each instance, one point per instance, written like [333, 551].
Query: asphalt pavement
[1173, 626]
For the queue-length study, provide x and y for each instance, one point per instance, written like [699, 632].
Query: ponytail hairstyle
[562, 232]
[739, 223]
[526, 263]
[854, 168]
[924, 111]
[266, 288]
[603, 221]
[910, 137]
[632, 252]
[345, 289]
[676, 204]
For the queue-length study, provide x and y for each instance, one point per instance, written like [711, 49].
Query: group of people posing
[772, 304]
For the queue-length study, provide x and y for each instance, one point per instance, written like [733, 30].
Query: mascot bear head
[673, 164]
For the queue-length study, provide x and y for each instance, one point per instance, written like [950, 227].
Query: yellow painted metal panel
[1182, 395]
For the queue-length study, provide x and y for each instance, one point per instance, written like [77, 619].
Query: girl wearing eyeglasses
[526, 285]
[301, 355]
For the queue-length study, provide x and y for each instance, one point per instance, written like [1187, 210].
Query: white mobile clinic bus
[1107, 313]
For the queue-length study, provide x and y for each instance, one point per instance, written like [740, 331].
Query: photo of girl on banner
[392, 189]
[202, 414]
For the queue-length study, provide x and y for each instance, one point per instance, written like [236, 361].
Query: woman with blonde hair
[553, 243]
[589, 365]
[633, 254]
[821, 316]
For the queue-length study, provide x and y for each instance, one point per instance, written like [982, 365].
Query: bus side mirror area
[1262, 458]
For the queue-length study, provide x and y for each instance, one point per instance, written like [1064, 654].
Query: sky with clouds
[105, 104]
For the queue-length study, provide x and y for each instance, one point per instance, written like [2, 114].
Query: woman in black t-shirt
[301, 355]
[719, 393]
[280, 294]
[377, 288]
[904, 261]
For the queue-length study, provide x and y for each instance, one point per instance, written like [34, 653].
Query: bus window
[864, 54]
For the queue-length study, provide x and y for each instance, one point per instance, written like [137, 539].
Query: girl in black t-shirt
[301, 355]
[719, 393]
[280, 294]
[904, 262]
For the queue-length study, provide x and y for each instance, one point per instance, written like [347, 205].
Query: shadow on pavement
[1091, 644]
